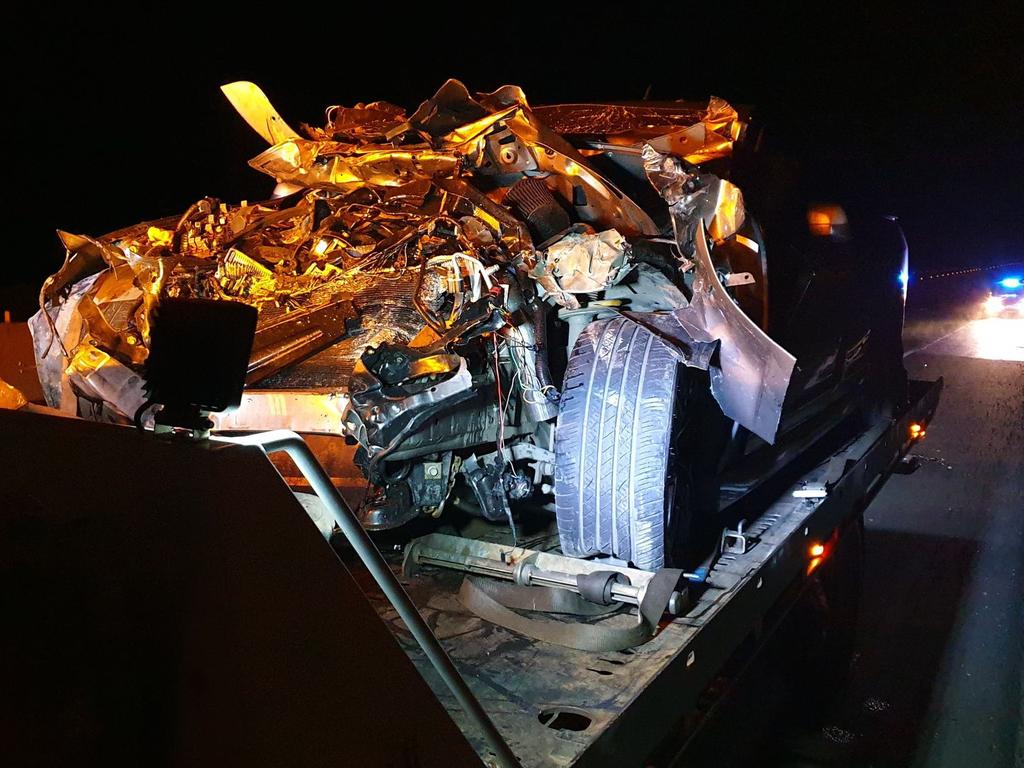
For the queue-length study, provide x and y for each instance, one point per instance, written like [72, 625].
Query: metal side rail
[557, 706]
[292, 444]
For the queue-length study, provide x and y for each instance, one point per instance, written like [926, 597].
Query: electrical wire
[529, 381]
[501, 420]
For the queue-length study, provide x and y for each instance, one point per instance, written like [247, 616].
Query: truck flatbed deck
[556, 706]
[251, 602]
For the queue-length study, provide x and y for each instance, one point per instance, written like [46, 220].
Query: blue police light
[1010, 282]
[904, 276]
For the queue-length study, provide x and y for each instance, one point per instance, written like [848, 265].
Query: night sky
[920, 111]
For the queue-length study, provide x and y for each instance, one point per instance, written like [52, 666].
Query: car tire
[621, 489]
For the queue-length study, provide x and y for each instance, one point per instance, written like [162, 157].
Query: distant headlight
[994, 305]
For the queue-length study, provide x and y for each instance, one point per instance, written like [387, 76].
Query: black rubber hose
[540, 340]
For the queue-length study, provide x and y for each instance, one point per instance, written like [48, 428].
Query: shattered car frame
[424, 282]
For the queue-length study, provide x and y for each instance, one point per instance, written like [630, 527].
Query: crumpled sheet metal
[712, 138]
[449, 137]
[721, 117]
[91, 332]
[697, 135]
[377, 121]
[97, 376]
[379, 194]
[452, 107]
[695, 144]
[586, 263]
[56, 328]
[94, 314]
[752, 372]
[309, 163]
[129, 280]
[694, 196]
[11, 397]
[253, 105]
[83, 371]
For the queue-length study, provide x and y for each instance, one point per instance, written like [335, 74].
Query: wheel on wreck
[637, 449]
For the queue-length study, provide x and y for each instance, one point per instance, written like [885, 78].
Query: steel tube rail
[289, 442]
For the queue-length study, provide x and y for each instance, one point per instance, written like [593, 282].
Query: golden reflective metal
[255, 108]
[369, 197]
[11, 397]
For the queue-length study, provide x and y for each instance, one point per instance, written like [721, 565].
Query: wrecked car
[578, 310]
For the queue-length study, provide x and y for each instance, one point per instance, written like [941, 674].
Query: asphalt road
[936, 675]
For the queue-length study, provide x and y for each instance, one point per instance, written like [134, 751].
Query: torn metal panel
[376, 122]
[694, 196]
[255, 108]
[690, 345]
[453, 107]
[750, 374]
[694, 132]
[305, 162]
[56, 330]
[712, 138]
[97, 376]
[695, 144]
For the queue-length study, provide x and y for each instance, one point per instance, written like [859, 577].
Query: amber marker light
[825, 220]
[819, 551]
[917, 431]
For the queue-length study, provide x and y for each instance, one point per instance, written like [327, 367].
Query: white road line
[935, 341]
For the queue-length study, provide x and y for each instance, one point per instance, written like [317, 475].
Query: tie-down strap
[493, 601]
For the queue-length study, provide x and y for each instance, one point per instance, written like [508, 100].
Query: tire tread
[612, 444]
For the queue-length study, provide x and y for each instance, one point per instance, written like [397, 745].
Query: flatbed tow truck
[514, 700]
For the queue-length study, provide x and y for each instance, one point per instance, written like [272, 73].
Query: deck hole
[616, 662]
[627, 652]
[599, 671]
[564, 719]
